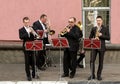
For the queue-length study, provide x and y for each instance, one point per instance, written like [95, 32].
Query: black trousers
[82, 55]
[69, 62]
[92, 61]
[40, 58]
[29, 61]
[40, 55]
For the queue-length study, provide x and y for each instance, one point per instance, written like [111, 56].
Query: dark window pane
[96, 3]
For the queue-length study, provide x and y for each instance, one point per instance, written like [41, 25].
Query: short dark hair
[26, 18]
[73, 18]
[43, 15]
[99, 17]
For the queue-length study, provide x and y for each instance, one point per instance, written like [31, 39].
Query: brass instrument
[50, 31]
[64, 31]
[79, 24]
[97, 34]
[33, 32]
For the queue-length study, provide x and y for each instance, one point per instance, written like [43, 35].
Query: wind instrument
[33, 32]
[79, 24]
[64, 31]
[97, 34]
[50, 31]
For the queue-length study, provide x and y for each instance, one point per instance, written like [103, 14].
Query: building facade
[58, 12]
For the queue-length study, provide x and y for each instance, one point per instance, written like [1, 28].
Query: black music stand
[36, 45]
[91, 44]
[60, 43]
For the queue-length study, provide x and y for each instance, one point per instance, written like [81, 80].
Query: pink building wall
[115, 21]
[58, 11]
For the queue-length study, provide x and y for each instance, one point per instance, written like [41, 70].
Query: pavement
[16, 72]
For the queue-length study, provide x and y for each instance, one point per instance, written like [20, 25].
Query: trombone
[49, 30]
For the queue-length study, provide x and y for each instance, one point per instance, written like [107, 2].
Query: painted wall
[115, 21]
[58, 11]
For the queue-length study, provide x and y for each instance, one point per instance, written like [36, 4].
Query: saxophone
[97, 34]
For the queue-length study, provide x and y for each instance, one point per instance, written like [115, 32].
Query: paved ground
[15, 72]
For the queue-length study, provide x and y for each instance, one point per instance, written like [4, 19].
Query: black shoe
[71, 76]
[42, 68]
[33, 76]
[29, 78]
[90, 78]
[65, 75]
[99, 78]
[80, 66]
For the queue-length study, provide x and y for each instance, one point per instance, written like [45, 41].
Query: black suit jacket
[23, 35]
[37, 26]
[73, 38]
[105, 36]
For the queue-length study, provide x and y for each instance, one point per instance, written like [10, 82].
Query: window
[91, 9]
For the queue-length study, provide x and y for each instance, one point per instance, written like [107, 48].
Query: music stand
[91, 44]
[36, 45]
[60, 43]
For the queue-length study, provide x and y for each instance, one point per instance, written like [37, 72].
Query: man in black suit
[41, 25]
[27, 34]
[70, 54]
[101, 33]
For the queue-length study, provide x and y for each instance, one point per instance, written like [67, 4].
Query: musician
[101, 33]
[41, 25]
[72, 34]
[81, 54]
[81, 51]
[25, 34]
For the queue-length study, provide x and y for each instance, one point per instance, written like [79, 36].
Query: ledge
[10, 44]
[17, 45]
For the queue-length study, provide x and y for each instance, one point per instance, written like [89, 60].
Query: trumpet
[64, 31]
[33, 32]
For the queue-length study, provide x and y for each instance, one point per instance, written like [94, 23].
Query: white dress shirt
[28, 30]
[43, 26]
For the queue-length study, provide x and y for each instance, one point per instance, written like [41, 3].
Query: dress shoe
[99, 78]
[65, 75]
[33, 76]
[80, 66]
[71, 76]
[42, 68]
[29, 78]
[91, 77]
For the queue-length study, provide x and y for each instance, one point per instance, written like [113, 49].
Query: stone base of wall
[11, 52]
